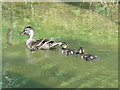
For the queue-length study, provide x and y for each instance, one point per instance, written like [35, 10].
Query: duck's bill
[22, 33]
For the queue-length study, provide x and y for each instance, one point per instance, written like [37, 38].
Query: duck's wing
[51, 39]
[35, 42]
[43, 41]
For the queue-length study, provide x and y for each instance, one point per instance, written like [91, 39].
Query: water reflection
[51, 69]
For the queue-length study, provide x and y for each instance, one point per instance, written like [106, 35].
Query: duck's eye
[27, 31]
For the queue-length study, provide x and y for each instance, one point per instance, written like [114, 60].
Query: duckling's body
[86, 56]
[66, 51]
[42, 44]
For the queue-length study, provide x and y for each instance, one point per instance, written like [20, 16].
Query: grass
[59, 20]
[73, 24]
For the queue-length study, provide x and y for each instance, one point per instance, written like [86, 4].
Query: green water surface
[50, 69]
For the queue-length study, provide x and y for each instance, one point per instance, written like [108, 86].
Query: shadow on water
[48, 68]
[14, 80]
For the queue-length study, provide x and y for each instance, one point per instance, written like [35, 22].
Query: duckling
[42, 44]
[66, 51]
[86, 56]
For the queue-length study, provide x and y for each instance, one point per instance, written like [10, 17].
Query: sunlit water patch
[22, 68]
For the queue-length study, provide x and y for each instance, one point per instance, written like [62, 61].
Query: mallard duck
[86, 56]
[42, 44]
[66, 51]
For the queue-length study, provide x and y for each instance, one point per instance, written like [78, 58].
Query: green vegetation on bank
[96, 24]
[93, 26]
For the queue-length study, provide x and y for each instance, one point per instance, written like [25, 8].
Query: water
[50, 69]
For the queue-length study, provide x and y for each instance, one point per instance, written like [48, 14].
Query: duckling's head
[64, 45]
[27, 31]
[81, 50]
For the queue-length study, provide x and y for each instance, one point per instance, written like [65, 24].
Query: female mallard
[66, 51]
[86, 56]
[42, 44]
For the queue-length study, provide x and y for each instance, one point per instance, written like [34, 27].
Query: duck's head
[81, 50]
[27, 31]
[64, 45]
